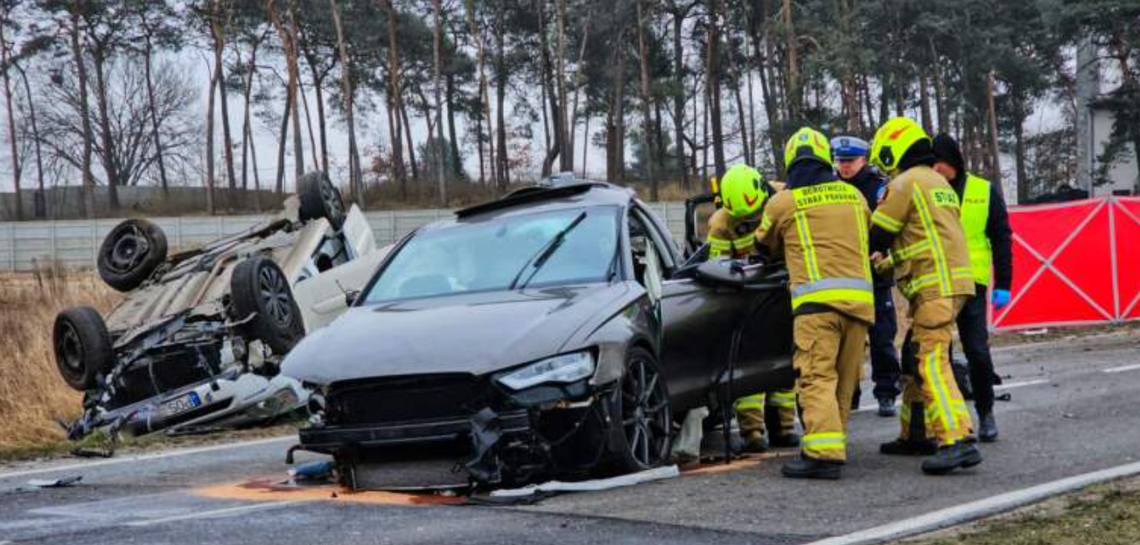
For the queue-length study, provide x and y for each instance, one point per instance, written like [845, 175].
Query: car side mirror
[350, 297]
[738, 274]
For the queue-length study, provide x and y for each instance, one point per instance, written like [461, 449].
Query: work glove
[1000, 298]
[882, 264]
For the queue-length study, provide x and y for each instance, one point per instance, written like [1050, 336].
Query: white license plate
[181, 404]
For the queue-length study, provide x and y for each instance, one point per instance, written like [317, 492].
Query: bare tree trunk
[313, 148]
[217, 28]
[246, 141]
[280, 187]
[924, 102]
[453, 145]
[4, 58]
[355, 184]
[159, 156]
[502, 165]
[110, 162]
[395, 106]
[713, 62]
[484, 96]
[586, 146]
[740, 111]
[214, 80]
[767, 91]
[646, 122]
[411, 143]
[35, 138]
[995, 174]
[289, 45]
[679, 92]
[319, 91]
[578, 87]
[566, 153]
[550, 96]
[436, 53]
[74, 8]
[795, 96]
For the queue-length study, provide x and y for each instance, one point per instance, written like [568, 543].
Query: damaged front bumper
[228, 400]
[511, 438]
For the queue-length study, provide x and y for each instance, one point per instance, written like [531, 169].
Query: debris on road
[594, 485]
[56, 483]
[316, 471]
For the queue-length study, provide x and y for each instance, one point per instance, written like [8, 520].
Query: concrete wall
[67, 202]
[1122, 175]
[74, 243]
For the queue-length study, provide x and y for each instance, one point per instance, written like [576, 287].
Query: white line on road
[1013, 385]
[215, 513]
[145, 457]
[979, 509]
[1121, 369]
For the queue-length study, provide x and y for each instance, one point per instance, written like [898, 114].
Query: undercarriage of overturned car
[558, 332]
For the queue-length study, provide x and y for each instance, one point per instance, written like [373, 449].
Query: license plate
[181, 404]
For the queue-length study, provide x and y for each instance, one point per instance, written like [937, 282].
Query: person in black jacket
[986, 223]
[851, 161]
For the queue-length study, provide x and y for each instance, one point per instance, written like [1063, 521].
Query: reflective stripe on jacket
[822, 232]
[929, 248]
[729, 236]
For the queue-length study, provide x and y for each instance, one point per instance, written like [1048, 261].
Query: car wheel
[320, 199]
[82, 347]
[642, 400]
[259, 287]
[130, 253]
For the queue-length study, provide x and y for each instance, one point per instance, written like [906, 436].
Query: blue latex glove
[1000, 298]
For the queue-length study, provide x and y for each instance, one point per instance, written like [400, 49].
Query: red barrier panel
[1074, 263]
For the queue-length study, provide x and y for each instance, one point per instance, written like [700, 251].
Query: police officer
[988, 235]
[820, 224]
[851, 161]
[732, 228]
[918, 221]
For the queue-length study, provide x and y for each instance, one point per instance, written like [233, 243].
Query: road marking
[1013, 385]
[979, 509]
[146, 457]
[1121, 369]
[215, 513]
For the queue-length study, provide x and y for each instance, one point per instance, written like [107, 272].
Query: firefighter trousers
[829, 359]
[775, 411]
[932, 404]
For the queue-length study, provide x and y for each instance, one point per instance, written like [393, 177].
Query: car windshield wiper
[544, 253]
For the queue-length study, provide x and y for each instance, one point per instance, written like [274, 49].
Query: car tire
[321, 199]
[130, 253]
[641, 435]
[82, 346]
[259, 287]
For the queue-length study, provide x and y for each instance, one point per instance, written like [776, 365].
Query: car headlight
[565, 368]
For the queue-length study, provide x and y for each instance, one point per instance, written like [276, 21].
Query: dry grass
[32, 394]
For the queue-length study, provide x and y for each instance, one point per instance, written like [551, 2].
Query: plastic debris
[319, 470]
[655, 474]
[55, 483]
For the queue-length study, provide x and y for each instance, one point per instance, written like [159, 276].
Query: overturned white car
[197, 341]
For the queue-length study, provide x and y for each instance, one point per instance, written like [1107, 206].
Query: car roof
[541, 199]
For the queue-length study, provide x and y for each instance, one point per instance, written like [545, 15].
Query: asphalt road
[1074, 409]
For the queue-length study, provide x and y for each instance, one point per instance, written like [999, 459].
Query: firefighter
[988, 238]
[820, 226]
[917, 232]
[851, 161]
[741, 196]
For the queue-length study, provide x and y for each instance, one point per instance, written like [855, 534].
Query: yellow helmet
[893, 140]
[742, 191]
[807, 143]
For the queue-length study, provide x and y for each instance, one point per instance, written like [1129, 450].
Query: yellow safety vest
[975, 215]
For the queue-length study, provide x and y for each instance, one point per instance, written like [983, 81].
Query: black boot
[886, 406]
[987, 431]
[907, 447]
[855, 398]
[785, 440]
[959, 455]
[810, 468]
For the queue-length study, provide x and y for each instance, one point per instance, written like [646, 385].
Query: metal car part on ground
[199, 336]
[558, 331]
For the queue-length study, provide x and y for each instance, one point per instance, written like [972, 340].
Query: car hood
[472, 333]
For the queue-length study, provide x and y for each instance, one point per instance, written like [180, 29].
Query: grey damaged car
[557, 331]
[198, 339]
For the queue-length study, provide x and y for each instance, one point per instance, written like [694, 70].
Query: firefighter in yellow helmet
[917, 232]
[732, 233]
[820, 226]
